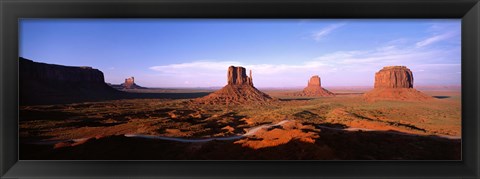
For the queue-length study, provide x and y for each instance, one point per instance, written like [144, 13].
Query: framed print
[394, 92]
[275, 88]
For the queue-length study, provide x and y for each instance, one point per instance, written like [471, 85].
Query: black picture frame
[467, 10]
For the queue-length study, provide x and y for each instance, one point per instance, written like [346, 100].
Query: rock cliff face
[239, 89]
[394, 77]
[238, 76]
[315, 81]
[42, 83]
[395, 83]
[30, 70]
[314, 88]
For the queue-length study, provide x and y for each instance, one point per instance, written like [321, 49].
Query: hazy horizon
[302, 87]
[281, 53]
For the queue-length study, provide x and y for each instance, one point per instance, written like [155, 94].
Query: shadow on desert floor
[441, 97]
[296, 99]
[331, 145]
[118, 95]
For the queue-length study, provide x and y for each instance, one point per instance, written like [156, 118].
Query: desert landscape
[71, 113]
[240, 89]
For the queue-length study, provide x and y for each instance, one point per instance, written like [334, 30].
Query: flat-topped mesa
[238, 76]
[42, 83]
[239, 90]
[395, 83]
[42, 72]
[394, 77]
[314, 88]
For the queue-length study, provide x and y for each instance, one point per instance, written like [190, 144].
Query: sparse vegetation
[186, 118]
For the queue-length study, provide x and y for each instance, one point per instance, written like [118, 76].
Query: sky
[281, 53]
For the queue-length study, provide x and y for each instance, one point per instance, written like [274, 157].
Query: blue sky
[281, 53]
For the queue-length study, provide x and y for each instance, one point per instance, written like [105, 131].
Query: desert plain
[343, 127]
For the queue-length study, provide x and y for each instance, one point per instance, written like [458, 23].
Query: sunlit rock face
[315, 81]
[238, 76]
[129, 83]
[239, 90]
[394, 77]
[314, 88]
[395, 83]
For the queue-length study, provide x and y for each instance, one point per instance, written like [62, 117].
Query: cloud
[440, 30]
[204, 65]
[337, 68]
[435, 38]
[319, 35]
[213, 73]
[215, 67]
[383, 55]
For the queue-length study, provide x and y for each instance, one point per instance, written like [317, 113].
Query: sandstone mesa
[395, 83]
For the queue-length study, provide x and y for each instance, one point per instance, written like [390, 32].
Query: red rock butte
[394, 77]
[129, 82]
[239, 90]
[395, 83]
[314, 88]
[238, 76]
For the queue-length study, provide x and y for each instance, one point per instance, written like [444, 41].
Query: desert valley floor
[343, 127]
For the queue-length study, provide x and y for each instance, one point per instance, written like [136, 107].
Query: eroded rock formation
[395, 83]
[314, 88]
[130, 84]
[239, 89]
[394, 77]
[238, 76]
[34, 71]
[42, 83]
[314, 81]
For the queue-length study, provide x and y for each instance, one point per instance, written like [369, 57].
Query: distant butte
[314, 88]
[395, 83]
[239, 89]
[130, 84]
